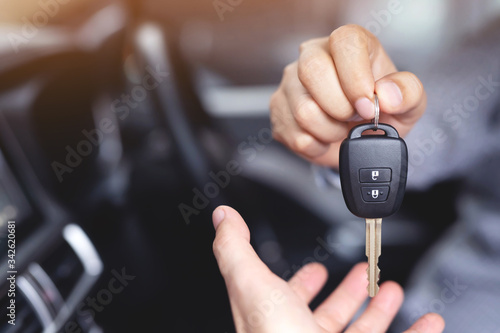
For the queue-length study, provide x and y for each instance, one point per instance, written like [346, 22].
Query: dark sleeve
[462, 121]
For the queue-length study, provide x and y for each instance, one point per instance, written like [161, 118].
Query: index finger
[360, 60]
[339, 308]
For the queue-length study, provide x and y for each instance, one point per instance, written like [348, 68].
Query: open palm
[263, 302]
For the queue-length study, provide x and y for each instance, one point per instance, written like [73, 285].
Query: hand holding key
[330, 89]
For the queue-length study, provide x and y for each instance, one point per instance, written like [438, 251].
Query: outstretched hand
[263, 302]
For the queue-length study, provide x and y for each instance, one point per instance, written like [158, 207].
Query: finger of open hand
[339, 308]
[429, 323]
[235, 256]
[380, 311]
[308, 281]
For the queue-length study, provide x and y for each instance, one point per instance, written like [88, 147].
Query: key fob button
[382, 175]
[375, 193]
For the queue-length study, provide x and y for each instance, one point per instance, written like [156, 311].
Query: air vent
[63, 268]
[49, 292]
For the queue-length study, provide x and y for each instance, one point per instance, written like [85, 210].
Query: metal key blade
[373, 250]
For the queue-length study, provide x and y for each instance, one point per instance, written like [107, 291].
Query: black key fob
[373, 170]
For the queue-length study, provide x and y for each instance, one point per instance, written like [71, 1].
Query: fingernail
[389, 92]
[365, 108]
[218, 216]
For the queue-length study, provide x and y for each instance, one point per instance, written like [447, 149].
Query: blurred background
[123, 124]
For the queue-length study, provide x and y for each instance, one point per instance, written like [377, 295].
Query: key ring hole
[374, 131]
[357, 131]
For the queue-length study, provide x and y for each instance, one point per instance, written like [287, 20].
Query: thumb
[401, 94]
[235, 256]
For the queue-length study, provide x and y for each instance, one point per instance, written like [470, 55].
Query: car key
[373, 170]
